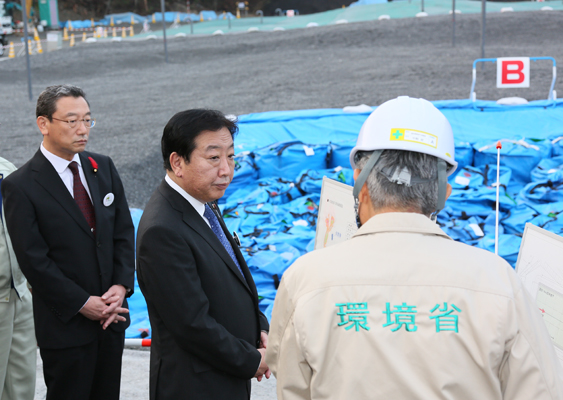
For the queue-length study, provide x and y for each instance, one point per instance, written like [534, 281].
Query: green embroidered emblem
[353, 315]
[404, 316]
[445, 321]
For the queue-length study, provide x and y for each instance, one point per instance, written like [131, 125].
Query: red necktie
[81, 197]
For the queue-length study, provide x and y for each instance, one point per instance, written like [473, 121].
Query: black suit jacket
[204, 316]
[61, 258]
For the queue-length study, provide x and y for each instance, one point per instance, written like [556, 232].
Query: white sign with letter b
[513, 72]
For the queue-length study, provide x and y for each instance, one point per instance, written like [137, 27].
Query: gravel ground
[133, 93]
[135, 379]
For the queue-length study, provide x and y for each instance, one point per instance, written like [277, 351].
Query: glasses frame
[83, 120]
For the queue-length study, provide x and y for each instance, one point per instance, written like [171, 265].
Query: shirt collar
[198, 205]
[60, 164]
[401, 222]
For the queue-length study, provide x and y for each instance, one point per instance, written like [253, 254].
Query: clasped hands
[106, 308]
[263, 370]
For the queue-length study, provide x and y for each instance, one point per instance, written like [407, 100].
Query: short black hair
[181, 131]
[47, 100]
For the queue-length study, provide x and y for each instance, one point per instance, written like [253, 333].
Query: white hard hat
[408, 124]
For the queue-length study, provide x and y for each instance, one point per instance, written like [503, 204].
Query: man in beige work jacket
[401, 311]
[18, 347]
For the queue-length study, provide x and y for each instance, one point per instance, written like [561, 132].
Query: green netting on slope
[401, 9]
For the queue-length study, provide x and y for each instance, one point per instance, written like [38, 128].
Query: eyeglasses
[88, 122]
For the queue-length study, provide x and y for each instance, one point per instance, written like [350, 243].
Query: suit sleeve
[123, 237]
[61, 294]
[264, 324]
[172, 285]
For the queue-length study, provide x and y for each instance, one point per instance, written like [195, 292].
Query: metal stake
[24, 13]
[163, 30]
[453, 23]
[483, 22]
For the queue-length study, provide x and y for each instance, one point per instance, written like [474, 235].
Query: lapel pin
[108, 199]
[236, 238]
[94, 165]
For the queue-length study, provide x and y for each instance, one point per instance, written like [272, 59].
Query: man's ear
[363, 197]
[43, 125]
[356, 173]
[448, 191]
[176, 163]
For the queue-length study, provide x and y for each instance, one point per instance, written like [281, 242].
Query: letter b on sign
[513, 72]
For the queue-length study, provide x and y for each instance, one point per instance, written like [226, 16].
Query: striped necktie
[218, 231]
[81, 197]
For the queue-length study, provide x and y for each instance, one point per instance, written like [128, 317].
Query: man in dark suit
[208, 335]
[73, 237]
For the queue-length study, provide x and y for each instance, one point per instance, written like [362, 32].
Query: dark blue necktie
[218, 231]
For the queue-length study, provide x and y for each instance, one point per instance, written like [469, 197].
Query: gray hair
[47, 100]
[421, 197]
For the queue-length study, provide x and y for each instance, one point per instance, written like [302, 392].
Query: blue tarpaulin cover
[125, 18]
[273, 201]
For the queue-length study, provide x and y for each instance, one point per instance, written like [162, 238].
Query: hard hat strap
[362, 178]
[442, 188]
[364, 173]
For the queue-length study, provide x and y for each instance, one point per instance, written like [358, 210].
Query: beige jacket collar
[400, 222]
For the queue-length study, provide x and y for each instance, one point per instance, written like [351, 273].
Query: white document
[336, 220]
[540, 267]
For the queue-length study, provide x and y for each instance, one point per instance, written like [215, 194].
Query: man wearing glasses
[73, 237]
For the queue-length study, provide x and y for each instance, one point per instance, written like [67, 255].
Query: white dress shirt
[61, 166]
[198, 205]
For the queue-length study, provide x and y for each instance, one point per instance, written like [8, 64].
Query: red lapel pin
[94, 164]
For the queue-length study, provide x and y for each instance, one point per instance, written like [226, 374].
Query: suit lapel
[240, 257]
[196, 222]
[47, 177]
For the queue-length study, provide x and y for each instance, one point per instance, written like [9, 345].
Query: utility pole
[162, 8]
[25, 30]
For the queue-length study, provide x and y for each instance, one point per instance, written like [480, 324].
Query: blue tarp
[275, 212]
[173, 16]
[77, 24]
[121, 18]
[125, 18]
[208, 15]
[539, 119]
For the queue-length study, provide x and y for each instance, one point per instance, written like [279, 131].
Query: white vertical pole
[499, 146]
